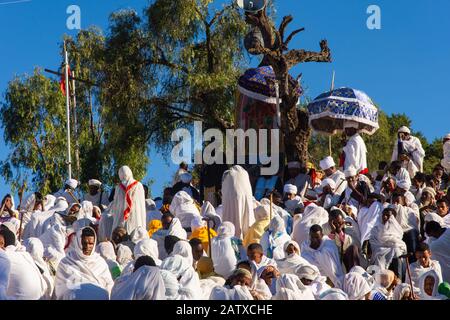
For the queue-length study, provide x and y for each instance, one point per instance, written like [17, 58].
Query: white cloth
[417, 270]
[184, 208]
[147, 247]
[290, 188]
[327, 163]
[183, 249]
[173, 288]
[145, 283]
[223, 254]
[339, 179]
[414, 147]
[35, 248]
[289, 287]
[175, 229]
[77, 269]
[386, 242]
[188, 278]
[98, 199]
[440, 251]
[403, 179]
[355, 153]
[5, 270]
[25, 280]
[311, 272]
[237, 200]
[312, 215]
[274, 238]
[291, 262]
[124, 255]
[137, 215]
[227, 294]
[435, 295]
[326, 259]
[94, 183]
[368, 218]
[139, 234]
[443, 221]
[356, 286]
[333, 294]
[407, 218]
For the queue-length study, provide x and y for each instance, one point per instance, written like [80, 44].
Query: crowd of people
[338, 232]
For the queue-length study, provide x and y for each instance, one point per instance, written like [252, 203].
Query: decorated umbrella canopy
[329, 111]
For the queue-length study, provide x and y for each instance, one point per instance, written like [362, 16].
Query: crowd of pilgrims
[337, 232]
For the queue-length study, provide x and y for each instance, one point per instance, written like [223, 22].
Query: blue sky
[404, 67]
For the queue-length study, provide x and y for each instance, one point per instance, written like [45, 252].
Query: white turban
[94, 182]
[350, 172]
[404, 129]
[404, 184]
[351, 124]
[294, 165]
[430, 191]
[290, 188]
[327, 163]
[328, 182]
[447, 137]
[72, 183]
[308, 272]
[186, 177]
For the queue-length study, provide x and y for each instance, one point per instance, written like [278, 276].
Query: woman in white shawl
[274, 238]
[82, 265]
[289, 287]
[146, 247]
[128, 206]
[333, 294]
[145, 283]
[171, 226]
[35, 248]
[225, 250]
[313, 215]
[139, 234]
[386, 240]
[367, 219]
[184, 208]
[237, 200]
[356, 286]
[25, 281]
[124, 255]
[310, 276]
[292, 259]
[183, 248]
[428, 285]
[171, 284]
[54, 240]
[186, 276]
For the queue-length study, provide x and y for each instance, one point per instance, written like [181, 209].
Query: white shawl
[289, 287]
[223, 253]
[367, 219]
[183, 207]
[237, 200]
[312, 215]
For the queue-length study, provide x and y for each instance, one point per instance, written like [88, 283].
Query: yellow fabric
[255, 232]
[202, 234]
[205, 268]
[154, 226]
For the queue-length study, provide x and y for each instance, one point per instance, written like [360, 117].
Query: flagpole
[66, 67]
[75, 127]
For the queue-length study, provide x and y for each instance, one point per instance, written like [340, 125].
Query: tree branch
[289, 38]
[284, 24]
[295, 57]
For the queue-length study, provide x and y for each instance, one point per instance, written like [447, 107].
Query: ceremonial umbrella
[329, 111]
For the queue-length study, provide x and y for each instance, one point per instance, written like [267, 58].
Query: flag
[62, 82]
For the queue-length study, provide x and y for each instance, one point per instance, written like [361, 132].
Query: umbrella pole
[331, 90]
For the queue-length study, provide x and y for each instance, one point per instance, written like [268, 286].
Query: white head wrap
[327, 163]
[290, 188]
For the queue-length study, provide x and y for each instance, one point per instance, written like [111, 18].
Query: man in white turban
[128, 206]
[237, 200]
[355, 151]
[409, 145]
[185, 184]
[297, 175]
[96, 195]
[329, 167]
[68, 191]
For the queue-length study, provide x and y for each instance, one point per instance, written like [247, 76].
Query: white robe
[188, 278]
[223, 254]
[175, 229]
[137, 216]
[273, 240]
[289, 287]
[5, 270]
[414, 147]
[25, 280]
[367, 219]
[237, 200]
[417, 270]
[386, 242]
[440, 251]
[95, 199]
[311, 216]
[339, 178]
[183, 207]
[355, 153]
[77, 269]
[326, 259]
[227, 293]
[145, 283]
